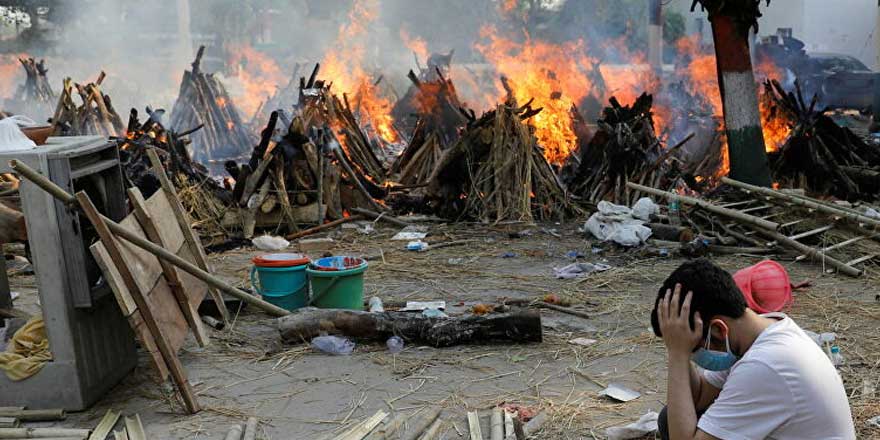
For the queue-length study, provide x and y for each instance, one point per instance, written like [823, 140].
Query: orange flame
[343, 67]
[554, 75]
[11, 74]
[415, 44]
[258, 74]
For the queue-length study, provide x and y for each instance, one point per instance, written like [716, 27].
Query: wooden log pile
[624, 149]
[497, 172]
[94, 115]
[34, 98]
[438, 110]
[821, 156]
[204, 101]
[284, 98]
[204, 199]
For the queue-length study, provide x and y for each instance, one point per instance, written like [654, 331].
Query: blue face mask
[714, 360]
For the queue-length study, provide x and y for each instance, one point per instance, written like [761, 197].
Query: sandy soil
[301, 394]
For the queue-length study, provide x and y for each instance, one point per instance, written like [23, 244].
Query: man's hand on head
[674, 322]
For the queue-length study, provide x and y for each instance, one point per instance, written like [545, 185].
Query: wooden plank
[114, 279]
[105, 426]
[862, 259]
[117, 255]
[190, 237]
[172, 278]
[149, 345]
[135, 428]
[171, 232]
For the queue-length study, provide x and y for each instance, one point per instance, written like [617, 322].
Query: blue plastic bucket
[286, 287]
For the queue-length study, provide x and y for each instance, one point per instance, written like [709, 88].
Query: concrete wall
[840, 26]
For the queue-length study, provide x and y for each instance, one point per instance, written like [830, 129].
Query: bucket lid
[332, 264]
[280, 260]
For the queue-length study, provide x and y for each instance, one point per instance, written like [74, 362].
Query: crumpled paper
[645, 425]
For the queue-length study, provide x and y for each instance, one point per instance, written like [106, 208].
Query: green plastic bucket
[339, 289]
[286, 287]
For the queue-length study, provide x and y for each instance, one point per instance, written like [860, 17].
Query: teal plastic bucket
[338, 289]
[286, 287]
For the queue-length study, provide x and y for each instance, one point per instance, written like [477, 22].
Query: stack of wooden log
[204, 199]
[204, 101]
[35, 97]
[497, 172]
[439, 118]
[94, 116]
[624, 149]
[820, 156]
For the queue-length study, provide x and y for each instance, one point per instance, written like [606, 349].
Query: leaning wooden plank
[34, 415]
[803, 201]
[44, 433]
[729, 213]
[192, 240]
[60, 194]
[306, 323]
[168, 353]
[474, 425]
[135, 428]
[172, 277]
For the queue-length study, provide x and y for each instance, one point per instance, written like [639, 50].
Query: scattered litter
[616, 223]
[419, 306]
[620, 393]
[596, 250]
[376, 305]
[400, 236]
[872, 213]
[874, 421]
[551, 232]
[459, 261]
[583, 342]
[395, 344]
[521, 234]
[13, 295]
[270, 243]
[574, 255]
[508, 255]
[525, 413]
[644, 209]
[333, 345]
[482, 309]
[417, 246]
[645, 425]
[434, 313]
[367, 229]
[579, 270]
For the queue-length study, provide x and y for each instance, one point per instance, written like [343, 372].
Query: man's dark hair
[715, 292]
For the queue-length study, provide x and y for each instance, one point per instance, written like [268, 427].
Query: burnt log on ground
[305, 324]
[819, 155]
[204, 101]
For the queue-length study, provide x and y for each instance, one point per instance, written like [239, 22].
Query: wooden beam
[172, 277]
[112, 246]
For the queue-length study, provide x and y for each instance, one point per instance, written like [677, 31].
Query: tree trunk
[305, 324]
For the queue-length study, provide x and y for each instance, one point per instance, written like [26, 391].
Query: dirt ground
[298, 393]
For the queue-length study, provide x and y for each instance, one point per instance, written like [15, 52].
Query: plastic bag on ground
[333, 345]
[11, 136]
[616, 223]
[645, 425]
[270, 243]
[644, 208]
[578, 270]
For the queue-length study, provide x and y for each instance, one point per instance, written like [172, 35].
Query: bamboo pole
[33, 415]
[323, 227]
[497, 424]
[21, 433]
[160, 252]
[802, 201]
[377, 216]
[812, 253]
[729, 213]
[234, 433]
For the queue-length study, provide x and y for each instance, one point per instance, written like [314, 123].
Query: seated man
[763, 376]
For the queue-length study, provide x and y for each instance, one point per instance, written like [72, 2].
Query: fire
[11, 74]
[701, 73]
[554, 75]
[258, 74]
[343, 67]
[415, 44]
[776, 127]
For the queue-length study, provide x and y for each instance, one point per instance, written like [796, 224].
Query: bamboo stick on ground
[105, 426]
[812, 253]
[22, 433]
[384, 217]
[34, 415]
[421, 424]
[432, 431]
[802, 201]
[497, 424]
[135, 428]
[323, 227]
[149, 246]
[474, 428]
[729, 213]
[234, 433]
[250, 429]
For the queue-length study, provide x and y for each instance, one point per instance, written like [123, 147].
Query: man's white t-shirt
[783, 388]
